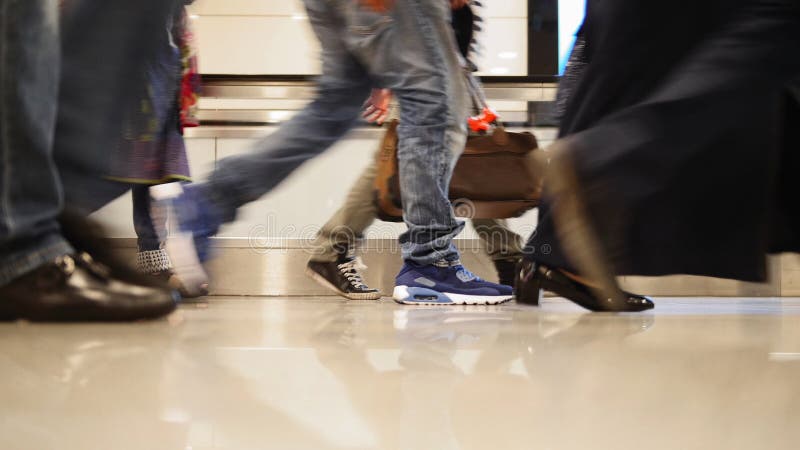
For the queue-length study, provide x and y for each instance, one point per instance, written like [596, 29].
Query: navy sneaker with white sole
[185, 220]
[452, 285]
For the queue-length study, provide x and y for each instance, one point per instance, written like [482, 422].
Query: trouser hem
[23, 262]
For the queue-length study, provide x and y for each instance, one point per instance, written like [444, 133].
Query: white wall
[247, 37]
[273, 37]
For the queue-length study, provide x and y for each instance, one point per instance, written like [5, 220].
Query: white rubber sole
[406, 296]
[328, 285]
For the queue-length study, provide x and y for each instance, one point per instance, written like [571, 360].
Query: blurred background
[258, 60]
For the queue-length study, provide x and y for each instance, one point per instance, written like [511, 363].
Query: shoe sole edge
[402, 294]
[328, 285]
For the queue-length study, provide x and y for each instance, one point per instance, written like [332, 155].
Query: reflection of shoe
[192, 222]
[441, 318]
[73, 289]
[506, 270]
[533, 278]
[429, 336]
[343, 277]
[524, 292]
[453, 285]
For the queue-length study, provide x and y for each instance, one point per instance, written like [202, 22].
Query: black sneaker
[343, 277]
[506, 270]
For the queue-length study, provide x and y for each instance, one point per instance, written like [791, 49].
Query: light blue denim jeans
[410, 50]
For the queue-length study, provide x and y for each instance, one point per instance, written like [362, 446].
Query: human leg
[348, 223]
[201, 209]
[331, 263]
[150, 258]
[31, 196]
[47, 280]
[432, 133]
[668, 197]
[502, 245]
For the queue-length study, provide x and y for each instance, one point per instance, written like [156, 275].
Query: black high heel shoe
[533, 278]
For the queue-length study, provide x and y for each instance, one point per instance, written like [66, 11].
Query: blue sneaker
[455, 285]
[185, 221]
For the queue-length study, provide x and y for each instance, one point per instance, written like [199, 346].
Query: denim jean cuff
[510, 256]
[21, 262]
[328, 252]
[440, 258]
[447, 263]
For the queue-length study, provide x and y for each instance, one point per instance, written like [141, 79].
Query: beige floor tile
[320, 373]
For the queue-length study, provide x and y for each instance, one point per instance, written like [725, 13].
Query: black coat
[685, 136]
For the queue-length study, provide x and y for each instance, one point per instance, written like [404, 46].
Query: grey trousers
[348, 224]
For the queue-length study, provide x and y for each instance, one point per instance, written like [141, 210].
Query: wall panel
[271, 37]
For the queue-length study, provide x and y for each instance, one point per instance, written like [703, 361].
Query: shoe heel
[527, 286]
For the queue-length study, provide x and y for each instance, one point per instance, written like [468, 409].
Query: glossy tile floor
[305, 373]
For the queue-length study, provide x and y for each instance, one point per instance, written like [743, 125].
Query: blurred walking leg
[502, 245]
[661, 154]
[332, 263]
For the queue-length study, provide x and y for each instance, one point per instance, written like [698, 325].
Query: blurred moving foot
[75, 288]
[342, 276]
[533, 278]
[580, 241]
[156, 263]
[451, 285]
[153, 268]
[173, 281]
[191, 222]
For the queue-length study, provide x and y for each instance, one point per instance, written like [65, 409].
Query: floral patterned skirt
[151, 149]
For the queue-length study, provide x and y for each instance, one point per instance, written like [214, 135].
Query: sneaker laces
[465, 275]
[351, 270]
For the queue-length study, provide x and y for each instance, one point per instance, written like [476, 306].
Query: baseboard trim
[243, 269]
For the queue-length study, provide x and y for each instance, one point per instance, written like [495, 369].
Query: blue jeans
[58, 121]
[147, 237]
[30, 191]
[410, 50]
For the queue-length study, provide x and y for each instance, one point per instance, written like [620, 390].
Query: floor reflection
[327, 374]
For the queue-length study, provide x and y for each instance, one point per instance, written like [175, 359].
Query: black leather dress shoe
[78, 289]
[533, 278]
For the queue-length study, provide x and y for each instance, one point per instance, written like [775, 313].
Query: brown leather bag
[494, 178]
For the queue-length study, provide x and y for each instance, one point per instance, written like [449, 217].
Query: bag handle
[485, 116]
